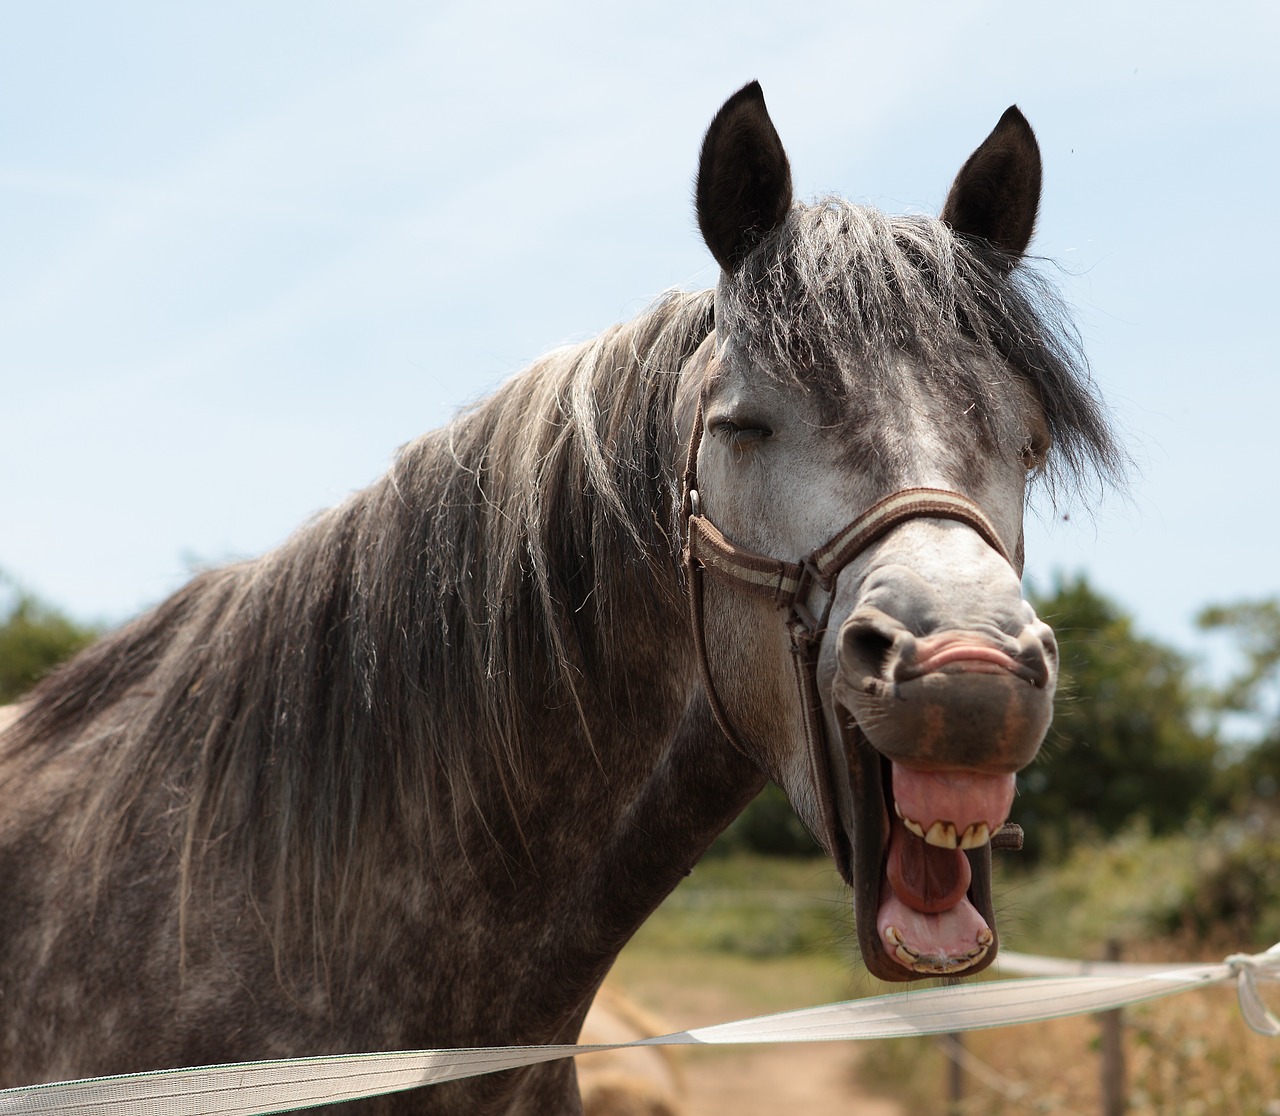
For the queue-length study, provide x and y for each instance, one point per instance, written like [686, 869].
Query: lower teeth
[917, 962]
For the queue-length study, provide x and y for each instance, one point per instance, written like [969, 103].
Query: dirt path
[816, 1079]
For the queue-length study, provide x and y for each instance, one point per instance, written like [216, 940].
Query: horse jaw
[940, 681]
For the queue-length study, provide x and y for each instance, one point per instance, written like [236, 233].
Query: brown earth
[818, 1079]
[674, 993]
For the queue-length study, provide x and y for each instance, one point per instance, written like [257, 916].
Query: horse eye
[1033, 454]
[739, 435]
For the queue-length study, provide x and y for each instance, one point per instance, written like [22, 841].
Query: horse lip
[868, 774]
[971, 659]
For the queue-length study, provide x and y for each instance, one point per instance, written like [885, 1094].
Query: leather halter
[793, 586]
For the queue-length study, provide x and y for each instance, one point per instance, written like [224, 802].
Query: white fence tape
[251, 1088]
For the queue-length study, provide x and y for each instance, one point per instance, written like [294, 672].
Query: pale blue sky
[246, 250]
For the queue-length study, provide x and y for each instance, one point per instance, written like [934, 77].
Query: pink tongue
[925, 878]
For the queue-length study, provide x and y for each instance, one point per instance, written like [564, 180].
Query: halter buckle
[690, 506]
[809, 574]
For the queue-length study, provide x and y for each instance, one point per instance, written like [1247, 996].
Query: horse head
[863, 423]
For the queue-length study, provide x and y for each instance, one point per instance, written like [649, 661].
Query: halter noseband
[791, 585]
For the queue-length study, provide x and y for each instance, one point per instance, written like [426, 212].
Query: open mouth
[921, 863]
[926, 917]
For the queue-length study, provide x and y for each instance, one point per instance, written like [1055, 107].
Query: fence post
[1111, 1024]
[955, 1076]
[953, 1045]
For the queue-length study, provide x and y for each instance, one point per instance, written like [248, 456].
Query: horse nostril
[1038, 654]
[865, 648]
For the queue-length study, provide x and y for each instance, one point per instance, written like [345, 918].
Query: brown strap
[765, 577]
[804, 659]
[907, 503]
[693, 572]
[689, 482]
[782, 581]
[1008, 836]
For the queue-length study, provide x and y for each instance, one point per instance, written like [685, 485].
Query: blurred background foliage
[34, 638]
[1130, 739]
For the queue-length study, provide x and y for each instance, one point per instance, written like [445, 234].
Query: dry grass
[704, 959]
[1186, 1055]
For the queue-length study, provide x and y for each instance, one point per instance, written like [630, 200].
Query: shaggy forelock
[838, 295]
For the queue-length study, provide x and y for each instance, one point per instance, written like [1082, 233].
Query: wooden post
[955, 1077]
[954, 1046]
[1111, 1024]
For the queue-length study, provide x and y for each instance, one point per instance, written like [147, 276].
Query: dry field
[689, 990]
[1187, 1055]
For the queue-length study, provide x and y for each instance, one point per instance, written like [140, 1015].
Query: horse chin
[942, 745]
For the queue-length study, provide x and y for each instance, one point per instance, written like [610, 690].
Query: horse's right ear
[996, 195]
[744, 178]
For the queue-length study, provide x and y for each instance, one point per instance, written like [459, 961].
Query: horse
[414, 778]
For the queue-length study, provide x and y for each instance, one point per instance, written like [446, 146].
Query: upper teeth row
[943, 833]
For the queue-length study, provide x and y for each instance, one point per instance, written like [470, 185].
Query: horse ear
[997, 192]
[744, 178]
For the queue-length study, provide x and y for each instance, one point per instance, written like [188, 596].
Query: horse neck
[582, 771]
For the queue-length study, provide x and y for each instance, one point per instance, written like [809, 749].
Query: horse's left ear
[744, 178]
[996, 195]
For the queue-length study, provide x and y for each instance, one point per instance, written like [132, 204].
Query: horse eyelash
[736, 434]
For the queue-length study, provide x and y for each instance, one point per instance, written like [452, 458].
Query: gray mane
[389, 665]
[838, 293]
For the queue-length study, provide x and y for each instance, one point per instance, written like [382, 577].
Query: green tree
[768, 826]
[34, 638]
[1255, 692]
[1124, 745]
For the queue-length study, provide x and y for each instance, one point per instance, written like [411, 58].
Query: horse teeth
[903, 952]
[934, 964]
[949, 966]
[942, 834]
[912, 826]
[980, 950]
